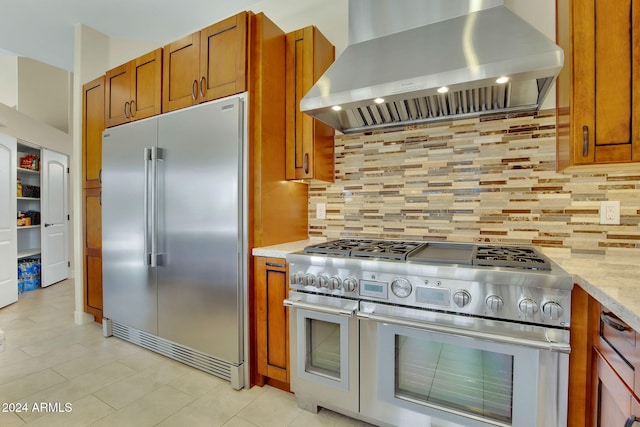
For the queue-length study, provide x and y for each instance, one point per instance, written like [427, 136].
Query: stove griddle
[443, 253]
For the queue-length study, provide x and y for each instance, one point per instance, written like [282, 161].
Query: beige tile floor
[49, 360]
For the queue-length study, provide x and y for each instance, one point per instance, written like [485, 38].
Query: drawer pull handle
[609, 320]
[273, 264]
[631, 420]
[585, 141]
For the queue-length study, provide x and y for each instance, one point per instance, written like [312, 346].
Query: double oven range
[430, 333]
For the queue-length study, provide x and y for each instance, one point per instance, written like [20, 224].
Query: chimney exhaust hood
[420, 61]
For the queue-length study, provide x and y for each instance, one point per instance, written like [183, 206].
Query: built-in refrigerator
[174, 210]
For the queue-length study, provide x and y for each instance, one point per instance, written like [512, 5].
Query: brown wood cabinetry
[133, 90]
[272, 327]
[92, 226]
[206, 65]
[310, 143]
[600, 85]
[92, 126]
[604, 378]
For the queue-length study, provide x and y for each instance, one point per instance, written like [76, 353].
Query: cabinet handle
[126, 104]
[46, 224]
[305, 163]
[273, 264]
[100, 198]
[203, 83]
[194, 90]
[609, 320]
[100, 176]
[585, 141]
[631, 420]
[131, 108]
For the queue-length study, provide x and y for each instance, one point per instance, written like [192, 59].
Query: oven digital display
[433, 296]
[374, 289]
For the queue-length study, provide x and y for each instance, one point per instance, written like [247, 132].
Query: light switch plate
[321, 211]
[610, 212]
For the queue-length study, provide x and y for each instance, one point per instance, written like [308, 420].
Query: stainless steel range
[430, 333]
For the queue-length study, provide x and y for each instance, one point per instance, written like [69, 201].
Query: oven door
[429, 368]
[323, 336]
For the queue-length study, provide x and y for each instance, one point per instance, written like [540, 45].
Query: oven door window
[463, 376]
[323, 351]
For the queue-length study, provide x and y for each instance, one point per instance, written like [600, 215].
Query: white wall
[44, 93]
[9, 80]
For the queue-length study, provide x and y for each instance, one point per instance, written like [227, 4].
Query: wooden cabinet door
[92, 127]
[146, 85]
[223, 58]
[272, 329]
[606, 56]
[180, 73]
[118, 95]
[309, 142]
[92, 209]
[612, 399]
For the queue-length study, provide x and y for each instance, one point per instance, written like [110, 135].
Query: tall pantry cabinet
[93, 123]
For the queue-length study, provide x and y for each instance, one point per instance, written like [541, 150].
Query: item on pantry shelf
[19, 188]
[30, 161]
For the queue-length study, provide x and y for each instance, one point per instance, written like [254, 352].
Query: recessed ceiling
[44, 29]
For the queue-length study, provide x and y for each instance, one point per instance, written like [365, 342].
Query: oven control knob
[552, 310]
[323, 281]
[401, 288]
[335, 283]
[528, 307]
[297, 279]
[309, 280]
[494, 302]
[350, 284]
[461, 298]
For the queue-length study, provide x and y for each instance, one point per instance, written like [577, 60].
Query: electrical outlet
[610, 213]
[321, 211]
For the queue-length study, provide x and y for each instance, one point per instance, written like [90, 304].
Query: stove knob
[297, 279]
[494, 302]
[462, 298]
[552, 310]
[323, 281]
[335, 283]
[528, 307]
[401, 288]
[309, 280]
[350, 284]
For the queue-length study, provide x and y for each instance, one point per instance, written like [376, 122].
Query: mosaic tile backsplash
[487, 180]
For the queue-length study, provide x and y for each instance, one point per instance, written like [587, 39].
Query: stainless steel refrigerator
[174, 201]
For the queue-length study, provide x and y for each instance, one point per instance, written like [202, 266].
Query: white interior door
[8, 209]
[55, 223]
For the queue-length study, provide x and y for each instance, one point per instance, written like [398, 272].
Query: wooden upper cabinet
[133, 90]
[603, 56]
[309, 142]
[206, 65]
[92, 127]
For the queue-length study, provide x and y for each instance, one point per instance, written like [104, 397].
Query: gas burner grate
[512, 257]
[385, 249]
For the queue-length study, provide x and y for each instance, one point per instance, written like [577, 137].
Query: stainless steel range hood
[417, 61]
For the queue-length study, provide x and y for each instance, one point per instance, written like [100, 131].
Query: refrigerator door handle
[154, 207]
[145, 208]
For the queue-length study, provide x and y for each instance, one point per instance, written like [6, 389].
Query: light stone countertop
[281, 250]
[613, 280]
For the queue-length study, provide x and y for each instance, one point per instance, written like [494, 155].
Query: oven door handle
[347, 310]
[542, 345]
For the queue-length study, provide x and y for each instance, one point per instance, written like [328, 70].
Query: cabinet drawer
[618, 344]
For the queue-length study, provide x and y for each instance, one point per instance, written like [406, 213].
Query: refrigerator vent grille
[178, 352]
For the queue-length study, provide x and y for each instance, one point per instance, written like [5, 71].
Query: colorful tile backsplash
[489, 179]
